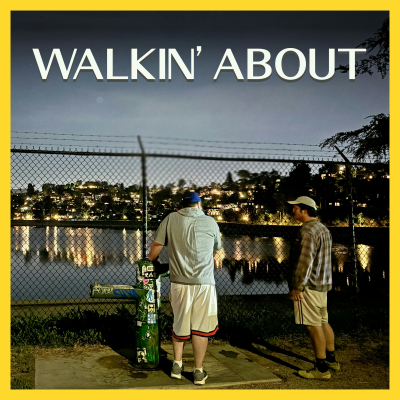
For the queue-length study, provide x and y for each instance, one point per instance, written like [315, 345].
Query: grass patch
[240, 318]
[266, 316]
[22, 367]
[77, 327]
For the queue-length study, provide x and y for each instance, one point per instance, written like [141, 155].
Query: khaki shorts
[195, 310]
[312, 309]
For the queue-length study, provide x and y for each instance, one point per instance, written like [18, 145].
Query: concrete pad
[114, 369]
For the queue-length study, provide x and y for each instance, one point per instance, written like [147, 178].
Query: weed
[75, 327]
[22, 367]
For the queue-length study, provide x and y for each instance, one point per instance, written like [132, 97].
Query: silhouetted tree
[371, 140]
[380, 60]
[298, 182]
[31, 190]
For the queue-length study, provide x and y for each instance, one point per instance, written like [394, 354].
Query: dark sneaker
[315, 374]
[199, 377]
[176, 371]
[333, 366]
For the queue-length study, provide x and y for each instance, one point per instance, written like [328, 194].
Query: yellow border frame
[184, 5]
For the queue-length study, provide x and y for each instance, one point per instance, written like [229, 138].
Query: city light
[245, 201]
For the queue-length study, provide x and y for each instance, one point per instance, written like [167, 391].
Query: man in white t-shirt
[191, 238]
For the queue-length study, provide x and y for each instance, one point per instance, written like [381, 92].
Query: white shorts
[195, 310]
[312, 309]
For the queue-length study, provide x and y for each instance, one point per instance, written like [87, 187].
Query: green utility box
[147, 293]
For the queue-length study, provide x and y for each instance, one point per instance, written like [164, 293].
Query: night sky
[272, 110]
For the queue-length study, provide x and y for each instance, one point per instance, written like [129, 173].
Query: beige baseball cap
[308, 201]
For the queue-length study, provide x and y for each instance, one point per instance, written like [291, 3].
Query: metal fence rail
[81, 216]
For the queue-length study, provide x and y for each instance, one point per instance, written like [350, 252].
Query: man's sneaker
[315, 374]
[199, 377]
[333, 366]
[176, 371]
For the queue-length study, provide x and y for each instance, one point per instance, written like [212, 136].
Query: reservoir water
[61, 263]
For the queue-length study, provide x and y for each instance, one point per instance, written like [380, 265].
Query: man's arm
[159, 237]
[217, 239]
[154, 251]
[304, 266]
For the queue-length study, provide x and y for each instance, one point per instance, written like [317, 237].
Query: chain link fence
[78, 217]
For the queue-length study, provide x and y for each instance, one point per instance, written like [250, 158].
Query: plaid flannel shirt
[313, 267]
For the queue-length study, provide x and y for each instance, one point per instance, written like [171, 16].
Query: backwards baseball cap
[308, 201]
[192, 197]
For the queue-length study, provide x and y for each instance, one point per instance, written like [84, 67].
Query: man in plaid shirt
[311, 280]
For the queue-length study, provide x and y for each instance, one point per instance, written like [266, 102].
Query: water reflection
[83, 247]
[370, 263]
[262, 259]
[267, 270]
[244, 258]
[278, 246]
[219, 256]
[364, 255]
[21, 239]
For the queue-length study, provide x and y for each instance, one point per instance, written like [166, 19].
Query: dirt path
[364, 362]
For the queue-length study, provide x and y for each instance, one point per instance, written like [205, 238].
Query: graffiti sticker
[141, 355]
[126, 293]
[139, 323]
[146, 336]
[151, 308]
[102, 290]
[150, 297]
[151, 319]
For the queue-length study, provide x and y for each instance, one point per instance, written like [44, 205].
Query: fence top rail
[191, 157]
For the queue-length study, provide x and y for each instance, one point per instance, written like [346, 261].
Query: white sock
[178, 362]
[200, 369]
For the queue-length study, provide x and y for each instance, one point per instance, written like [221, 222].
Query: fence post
[354, 273]
[144, 200]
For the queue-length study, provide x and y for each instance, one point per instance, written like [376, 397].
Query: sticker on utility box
[151, 319]
[151, 308]
[150, 297]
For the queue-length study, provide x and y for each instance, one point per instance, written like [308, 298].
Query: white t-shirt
[191, 238]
